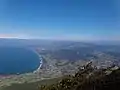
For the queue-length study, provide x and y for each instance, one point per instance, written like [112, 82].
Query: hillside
[88, 77]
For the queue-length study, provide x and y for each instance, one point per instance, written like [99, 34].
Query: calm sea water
[17, 60]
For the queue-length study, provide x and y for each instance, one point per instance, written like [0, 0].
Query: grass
[31, 86]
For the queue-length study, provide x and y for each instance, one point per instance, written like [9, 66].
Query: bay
[17, 60]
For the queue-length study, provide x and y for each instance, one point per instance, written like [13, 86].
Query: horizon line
[60, 39]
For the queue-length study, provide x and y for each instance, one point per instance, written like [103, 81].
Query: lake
[17, 60]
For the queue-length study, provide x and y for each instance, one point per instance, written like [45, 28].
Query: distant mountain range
[53, 43]
[67, 49]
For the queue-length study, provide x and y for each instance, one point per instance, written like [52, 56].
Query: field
[31, 86]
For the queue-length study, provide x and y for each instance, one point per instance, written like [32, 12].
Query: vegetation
[31, 86]
[88, 77]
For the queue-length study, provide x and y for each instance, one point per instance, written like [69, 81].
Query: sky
[60, 19]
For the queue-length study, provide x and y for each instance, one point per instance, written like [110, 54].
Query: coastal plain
[63, 58]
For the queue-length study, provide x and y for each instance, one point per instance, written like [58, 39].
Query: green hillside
[88, 77]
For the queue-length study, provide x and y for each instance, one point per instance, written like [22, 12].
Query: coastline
[41, 61]
[23, 77]
[35, 71]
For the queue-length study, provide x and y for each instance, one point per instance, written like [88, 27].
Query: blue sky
[60, 19]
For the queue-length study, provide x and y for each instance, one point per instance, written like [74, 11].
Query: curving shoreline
[41, 61]
[34, 71]
[23, 77]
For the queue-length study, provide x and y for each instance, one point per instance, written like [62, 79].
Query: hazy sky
[60, 19]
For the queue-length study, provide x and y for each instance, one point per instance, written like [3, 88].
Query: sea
[14, 60]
